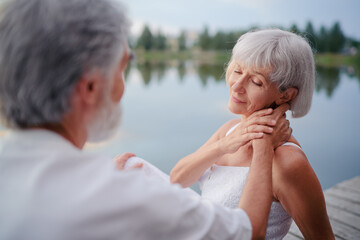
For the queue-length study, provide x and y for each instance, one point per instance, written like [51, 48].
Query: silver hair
[46, 46]
[290, 58]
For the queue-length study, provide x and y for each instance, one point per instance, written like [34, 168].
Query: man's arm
[176, 214]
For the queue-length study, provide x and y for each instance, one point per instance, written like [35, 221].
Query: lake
[170, 110]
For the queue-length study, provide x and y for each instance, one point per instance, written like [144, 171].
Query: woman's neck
[244, 116]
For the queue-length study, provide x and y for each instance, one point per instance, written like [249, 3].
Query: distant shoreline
[213, 57]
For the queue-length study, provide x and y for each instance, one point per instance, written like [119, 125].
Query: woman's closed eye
[256, 82]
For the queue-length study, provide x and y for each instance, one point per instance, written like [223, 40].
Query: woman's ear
[287, 95]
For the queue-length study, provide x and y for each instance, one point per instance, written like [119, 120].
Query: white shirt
[51, 190]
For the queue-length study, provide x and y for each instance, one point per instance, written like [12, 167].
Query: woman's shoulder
[290, 160]
[227, 126]
[291, 170]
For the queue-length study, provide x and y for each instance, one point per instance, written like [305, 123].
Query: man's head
[49, 47]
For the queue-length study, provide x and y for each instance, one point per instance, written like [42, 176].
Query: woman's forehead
[265, 71]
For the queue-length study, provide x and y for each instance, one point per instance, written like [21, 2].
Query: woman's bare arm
[257, 194]
[296, 186]
[190, 168]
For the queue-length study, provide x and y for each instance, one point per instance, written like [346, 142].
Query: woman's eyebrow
[259, 73]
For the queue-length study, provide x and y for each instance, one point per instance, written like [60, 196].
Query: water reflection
[152, 71]
[181, 69]
[354, 72]
[206, 72]
[327, 78]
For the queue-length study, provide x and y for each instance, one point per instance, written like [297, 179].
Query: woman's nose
[239, 85]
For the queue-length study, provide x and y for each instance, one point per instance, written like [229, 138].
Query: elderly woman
[268, 68]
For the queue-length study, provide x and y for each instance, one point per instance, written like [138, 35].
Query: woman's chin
[235, 110]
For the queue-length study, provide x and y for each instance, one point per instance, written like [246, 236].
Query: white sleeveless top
[224, 185]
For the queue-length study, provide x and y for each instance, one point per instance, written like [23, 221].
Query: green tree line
[324, 40]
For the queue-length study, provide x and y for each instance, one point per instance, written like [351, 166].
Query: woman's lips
[235, 100]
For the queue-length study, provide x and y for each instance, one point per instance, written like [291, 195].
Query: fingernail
[273, 121]
[270, 129]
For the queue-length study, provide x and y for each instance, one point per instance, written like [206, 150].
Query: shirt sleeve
[183, 216]
[131, 205]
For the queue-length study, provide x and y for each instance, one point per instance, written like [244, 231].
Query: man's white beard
[105, 123]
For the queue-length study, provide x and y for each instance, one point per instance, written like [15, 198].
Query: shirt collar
[40, 136]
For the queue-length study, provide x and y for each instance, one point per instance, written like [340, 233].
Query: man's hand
[120, 161]
[282, 131]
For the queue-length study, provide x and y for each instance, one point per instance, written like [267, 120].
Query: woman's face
[250, 89]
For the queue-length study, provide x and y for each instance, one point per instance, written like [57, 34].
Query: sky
[172, 16]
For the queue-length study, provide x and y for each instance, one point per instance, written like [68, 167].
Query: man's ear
[89, 88]
[287, 95]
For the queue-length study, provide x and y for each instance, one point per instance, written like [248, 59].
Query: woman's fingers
[120, 160]
[281, 110]
[259, 128]
[268, 116]
[262, 112]
[232, 143]
[266, 120]
[250, 136]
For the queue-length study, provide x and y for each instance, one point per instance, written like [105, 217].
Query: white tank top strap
[232, 129]
[291, 144]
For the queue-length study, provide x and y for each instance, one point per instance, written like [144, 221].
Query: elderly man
[61, 79]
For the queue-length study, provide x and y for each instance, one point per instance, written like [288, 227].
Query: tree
[160, 41]
[231, 39]
[352, 43]
[219, 41]
[205, 40]
[322, 44]
[294, 29]
[146, 39]
[336, 38]
[311, 35]
[182, 41]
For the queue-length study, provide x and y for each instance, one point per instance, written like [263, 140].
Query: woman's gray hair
[290, 58]
[46, 46]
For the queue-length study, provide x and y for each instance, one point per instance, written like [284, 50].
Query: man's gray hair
[46, 46]
[290, 58]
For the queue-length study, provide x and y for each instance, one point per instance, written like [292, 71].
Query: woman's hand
[250, 128]
[281, 131]
[120, 161]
